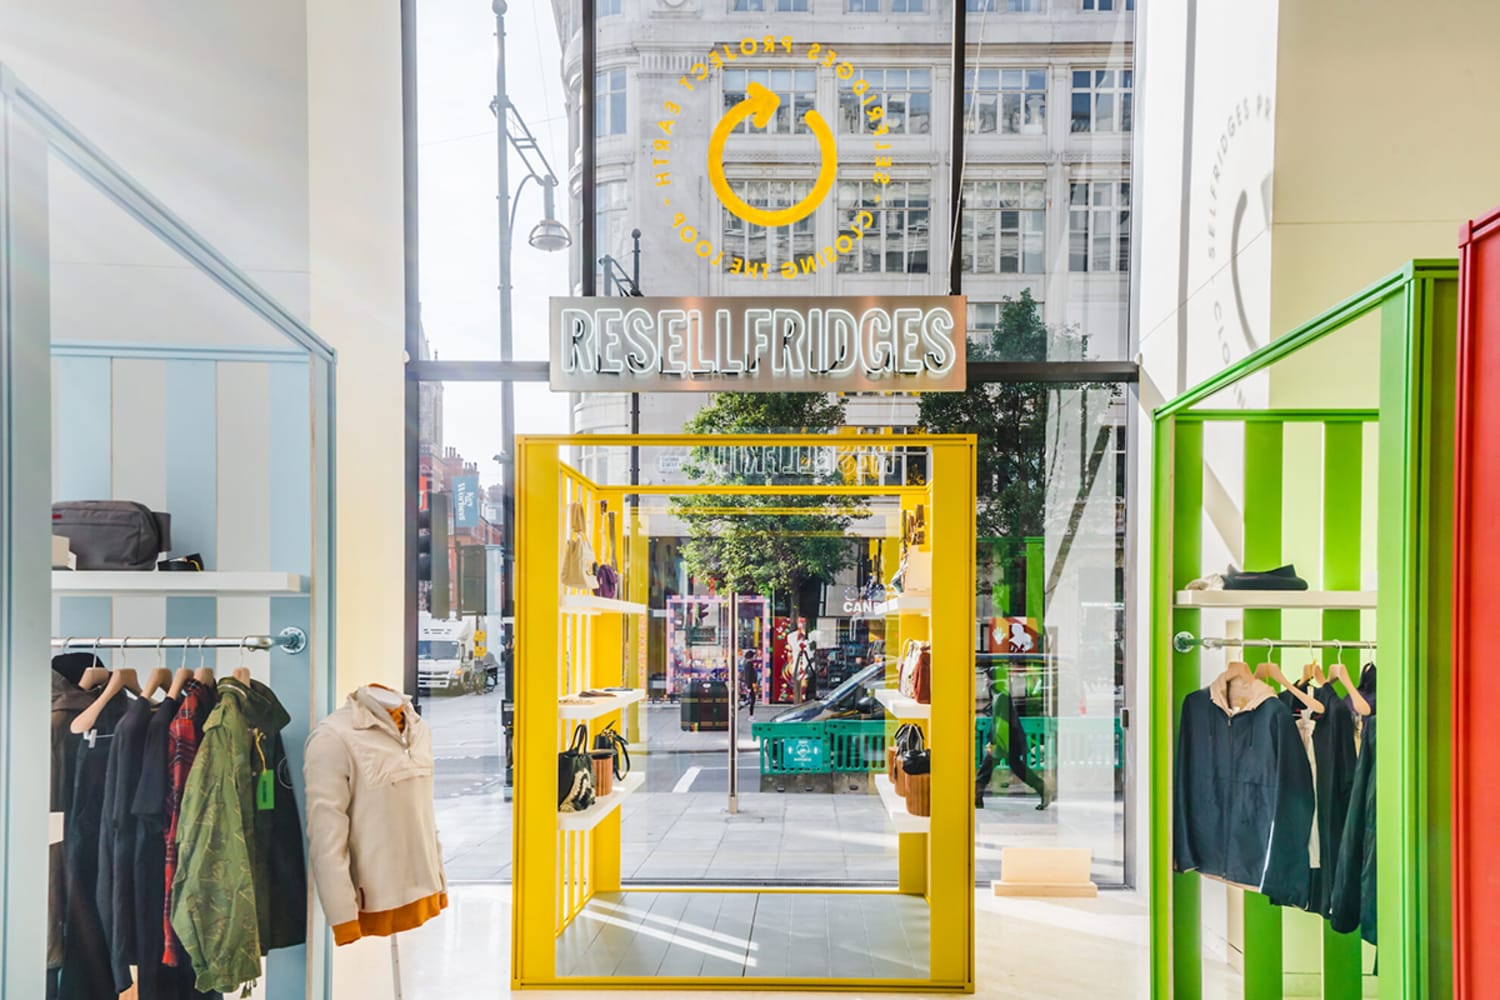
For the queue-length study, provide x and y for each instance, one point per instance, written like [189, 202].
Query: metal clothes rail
[291, 639]
[1186, 642]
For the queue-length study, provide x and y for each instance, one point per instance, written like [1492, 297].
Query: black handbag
[575, 774]
[917, 761]
[610, 739]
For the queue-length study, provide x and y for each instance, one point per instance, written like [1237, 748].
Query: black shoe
[1280, 578]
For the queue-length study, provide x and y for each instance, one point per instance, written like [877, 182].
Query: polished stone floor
[752, 935]
[1026, 949]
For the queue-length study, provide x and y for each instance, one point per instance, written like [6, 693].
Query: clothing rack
[1186, 642]
[290, 639]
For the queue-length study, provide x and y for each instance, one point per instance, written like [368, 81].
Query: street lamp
[548, 235]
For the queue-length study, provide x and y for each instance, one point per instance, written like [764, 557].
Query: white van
[445, 655]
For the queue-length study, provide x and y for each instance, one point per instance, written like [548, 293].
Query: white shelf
[900, 706]
[903, 604]
[603, 806]
[1330, 600]
[592, 708]
[903, 821]
[188, 584]
[588, 604]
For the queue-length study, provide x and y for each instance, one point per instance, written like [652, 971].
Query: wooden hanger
[204, 674]
[120, 679]
[242, 672]
[1340, 672]
[179, 680]
[1273, 672]
[159, 677]
[1312, 670]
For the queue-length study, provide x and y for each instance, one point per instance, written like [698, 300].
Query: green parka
[240, 886]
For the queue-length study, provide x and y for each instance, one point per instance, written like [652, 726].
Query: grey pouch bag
[112, 534]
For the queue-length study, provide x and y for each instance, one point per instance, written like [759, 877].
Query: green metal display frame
[1417, 312]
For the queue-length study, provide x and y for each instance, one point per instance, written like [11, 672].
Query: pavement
[679, 827]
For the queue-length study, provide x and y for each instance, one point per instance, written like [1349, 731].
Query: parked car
[852, 699]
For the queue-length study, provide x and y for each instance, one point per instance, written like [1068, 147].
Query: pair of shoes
[1280, 578]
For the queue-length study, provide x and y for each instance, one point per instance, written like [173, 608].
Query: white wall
[274, 130]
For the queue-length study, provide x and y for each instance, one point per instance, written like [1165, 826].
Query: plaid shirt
[183, 735]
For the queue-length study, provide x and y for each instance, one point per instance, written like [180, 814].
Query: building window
[904, 94]
[1108, 5]
[759, 244]
[1099, 226]
[611, 225]
[792, 6]
[908, 6]
[609, 102]
[607, 7]
[864, 6]
[1004, 6]
[1103, 100]
[1004, 227]
[797, 88]
[1007, 101]
[895, 240]
[747, 5]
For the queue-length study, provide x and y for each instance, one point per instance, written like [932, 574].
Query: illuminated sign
[911, 343]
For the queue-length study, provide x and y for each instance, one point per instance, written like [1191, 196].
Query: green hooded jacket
[228, 888]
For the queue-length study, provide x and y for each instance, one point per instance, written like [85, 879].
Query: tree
[771, 548]
[1012, 421]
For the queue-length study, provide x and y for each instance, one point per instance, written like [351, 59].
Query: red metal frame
[1476, 625]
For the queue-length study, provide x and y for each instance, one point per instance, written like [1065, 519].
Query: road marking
[686, 781]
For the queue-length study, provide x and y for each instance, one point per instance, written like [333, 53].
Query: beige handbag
[578, 557]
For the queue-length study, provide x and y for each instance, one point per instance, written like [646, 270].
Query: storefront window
[737, 195]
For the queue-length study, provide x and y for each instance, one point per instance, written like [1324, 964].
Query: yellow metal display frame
[557, 871]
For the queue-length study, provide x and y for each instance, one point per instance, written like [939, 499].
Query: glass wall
[776, 148]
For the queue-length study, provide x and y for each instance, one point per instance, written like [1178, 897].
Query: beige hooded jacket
[372, 837]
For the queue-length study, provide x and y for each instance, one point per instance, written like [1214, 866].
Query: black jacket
[1354, 904]
[1333, 778]
[86, 973]
[279, 865]
[115, 890]
[1243, 791]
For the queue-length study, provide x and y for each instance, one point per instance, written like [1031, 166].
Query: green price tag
[265, 790]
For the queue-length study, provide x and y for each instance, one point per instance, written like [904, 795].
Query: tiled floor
[752, 935]
[1025, 950]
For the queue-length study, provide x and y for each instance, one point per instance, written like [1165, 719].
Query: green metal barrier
[792, 747]
[840, 745]
[1077, 742]
[857, 745]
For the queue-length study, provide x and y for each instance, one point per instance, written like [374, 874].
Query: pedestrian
[750, 680]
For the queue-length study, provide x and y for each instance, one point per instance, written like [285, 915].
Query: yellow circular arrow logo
[759, 105]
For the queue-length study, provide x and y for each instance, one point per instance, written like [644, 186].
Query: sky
[456, 198]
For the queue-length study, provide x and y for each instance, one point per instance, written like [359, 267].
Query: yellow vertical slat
[950, 888]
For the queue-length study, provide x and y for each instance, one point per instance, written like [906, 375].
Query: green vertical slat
[1177, 950]
[1263, 528]
[1342, 525]
[1399, 528]
[1036, 580]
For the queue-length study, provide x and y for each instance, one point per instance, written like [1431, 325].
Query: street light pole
[507, 388]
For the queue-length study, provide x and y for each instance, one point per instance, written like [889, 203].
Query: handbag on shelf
[610, 739]
[893, 750]
[914, 573]
[917, 765]
[915, 679]
[575, 774]
[112, 534]
[578, 557]
[606, 574]
[909, 741]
